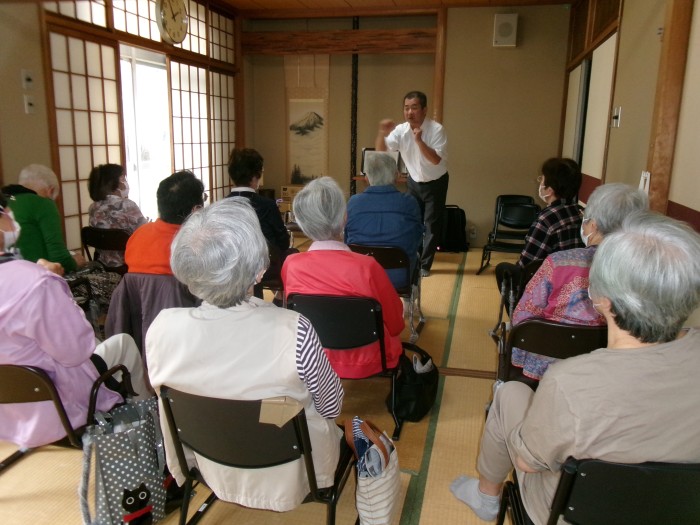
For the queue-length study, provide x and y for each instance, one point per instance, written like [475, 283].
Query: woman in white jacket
[235, 346]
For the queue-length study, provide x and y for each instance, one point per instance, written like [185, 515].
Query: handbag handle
[412, 347]
[371, 431]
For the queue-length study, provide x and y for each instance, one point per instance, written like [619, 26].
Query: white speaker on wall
[505, 30]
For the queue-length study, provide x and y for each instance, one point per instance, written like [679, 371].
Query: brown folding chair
[104, 239]
[392, 258]
[548, 338]
[229, 432]
[30, 384]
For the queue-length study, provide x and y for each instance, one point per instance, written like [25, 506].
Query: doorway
[146, 124]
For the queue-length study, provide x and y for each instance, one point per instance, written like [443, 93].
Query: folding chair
[229, 432]
[346, 323]
[30, 384]
[513, 217]
[104, 239]
[548, 338]
[512, 289]
[592, 491]
[392, 258]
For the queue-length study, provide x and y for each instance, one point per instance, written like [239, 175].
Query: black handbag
[415, 392]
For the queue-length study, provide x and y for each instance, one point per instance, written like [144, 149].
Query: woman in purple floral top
[112, 208]
[559, 289]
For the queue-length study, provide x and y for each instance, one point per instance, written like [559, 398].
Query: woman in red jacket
[330, 268]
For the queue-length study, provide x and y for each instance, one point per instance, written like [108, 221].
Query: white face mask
[124, 189]
[543, 197]
[585, 238]
[595, 305]
[10, 237]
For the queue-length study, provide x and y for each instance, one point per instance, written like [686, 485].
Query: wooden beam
[279, 10]
[669, 91]
[343, 42]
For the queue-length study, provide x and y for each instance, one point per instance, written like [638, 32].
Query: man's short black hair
[419, 95]
[243, 165]
[177, 195]
[563, 176]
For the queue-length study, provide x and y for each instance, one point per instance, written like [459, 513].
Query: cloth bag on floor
[129, 463]
[378, 480]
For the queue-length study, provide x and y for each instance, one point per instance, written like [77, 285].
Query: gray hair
[38, 176]
[381, 169]
[609, 204]
[650, 271]
[219, 251]
[320, 209]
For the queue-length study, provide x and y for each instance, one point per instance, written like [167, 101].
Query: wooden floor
[460, 308]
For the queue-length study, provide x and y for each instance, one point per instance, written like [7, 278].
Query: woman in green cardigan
[32, 203]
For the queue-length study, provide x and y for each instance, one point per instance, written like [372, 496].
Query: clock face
[172, 20]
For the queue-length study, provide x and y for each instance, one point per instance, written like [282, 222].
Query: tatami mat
[454, 449]
[222, 513]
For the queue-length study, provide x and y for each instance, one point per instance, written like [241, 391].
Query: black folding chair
[514, 215]
[104, 239]
[593, 492]
[345, 323]
[392, 258]
[229, 432]
[512, 289]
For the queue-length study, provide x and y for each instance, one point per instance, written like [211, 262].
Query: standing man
[423, 146]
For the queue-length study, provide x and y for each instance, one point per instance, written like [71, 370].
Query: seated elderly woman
[330, 268]
[631, 402]
[559, 289]
[42, 326]
[112, 207]
[557, 226]
[34, 209]
[236, 346]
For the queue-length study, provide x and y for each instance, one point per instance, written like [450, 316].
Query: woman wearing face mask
[112, 207]
[558, 291]
[557, 226]
[10, 228]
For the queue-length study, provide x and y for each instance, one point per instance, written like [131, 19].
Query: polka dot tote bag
[127, 446]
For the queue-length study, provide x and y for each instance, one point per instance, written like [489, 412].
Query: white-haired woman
[236, 346]
[631, 402]
[558, 291]
[330, 268]
[34, 209]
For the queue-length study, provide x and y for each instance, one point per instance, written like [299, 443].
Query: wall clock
[172, 19]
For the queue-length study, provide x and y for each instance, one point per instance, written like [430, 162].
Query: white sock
[466, 489]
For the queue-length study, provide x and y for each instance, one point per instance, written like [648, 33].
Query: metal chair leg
[13, 458]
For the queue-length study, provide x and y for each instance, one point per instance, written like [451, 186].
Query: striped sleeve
[316, 372]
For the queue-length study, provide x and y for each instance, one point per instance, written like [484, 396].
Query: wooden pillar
[353, 116]
[669, 91]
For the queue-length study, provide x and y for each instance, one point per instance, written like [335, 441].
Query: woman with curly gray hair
[236, 346]
[330, 268]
